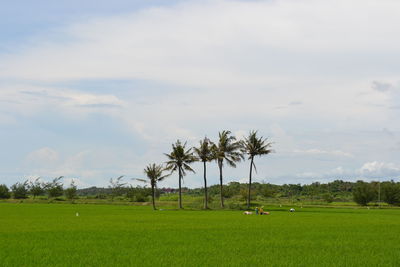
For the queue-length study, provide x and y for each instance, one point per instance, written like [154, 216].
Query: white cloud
[375, 169]
[28, 100]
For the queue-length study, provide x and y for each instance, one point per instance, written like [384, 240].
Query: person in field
[262, 212]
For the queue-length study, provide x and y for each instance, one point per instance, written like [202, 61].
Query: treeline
[52, 189]
[360, 192]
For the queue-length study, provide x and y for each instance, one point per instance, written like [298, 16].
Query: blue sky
[96, 89]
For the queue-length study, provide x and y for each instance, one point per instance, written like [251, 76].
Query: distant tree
[55, 187]
[154, 175]
[254, 146]
[391, 192]
[131, 193]
[227, 150]
[20, 190]
[232, 189]
[363, 193]
[328, 197]
[204, 153]
[179, 160]
[71, 191]
[313, 189]
[37, 188]
[4, 192]
[116, 186]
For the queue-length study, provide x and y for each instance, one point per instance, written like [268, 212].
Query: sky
[91, 90]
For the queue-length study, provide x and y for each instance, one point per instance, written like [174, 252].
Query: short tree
[154, 175]
[20, 190]
[117, 187]
[391, 193]
[70, 192]
[55, 188]
[363, 193]
[4, 192]
[37, 188]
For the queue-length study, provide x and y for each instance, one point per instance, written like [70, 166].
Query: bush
[101, 196]
[4, 192]
[20, 190]
[141, 198]
[363, 193]
[391, 193]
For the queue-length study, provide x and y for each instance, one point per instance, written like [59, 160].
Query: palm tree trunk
[248, 195]
[220, 185]
[205, 186]
[153, 195]
[180, 188]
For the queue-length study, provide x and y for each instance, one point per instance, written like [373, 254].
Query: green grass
[112, 235]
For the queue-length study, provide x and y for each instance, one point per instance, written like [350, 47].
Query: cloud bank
[319, 78]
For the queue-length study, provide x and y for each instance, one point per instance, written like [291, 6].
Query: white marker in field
[77, 214]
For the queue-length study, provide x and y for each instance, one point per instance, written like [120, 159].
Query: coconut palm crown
[227, 150]
[179, 160]
[254, 146]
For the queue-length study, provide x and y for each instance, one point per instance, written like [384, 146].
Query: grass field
[111, 235]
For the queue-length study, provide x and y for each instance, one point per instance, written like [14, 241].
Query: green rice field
[117, 235]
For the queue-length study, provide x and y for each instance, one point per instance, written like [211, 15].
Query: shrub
[363, 193]
[141, 198]
[101, 196]
[20, 190]
[4, 192]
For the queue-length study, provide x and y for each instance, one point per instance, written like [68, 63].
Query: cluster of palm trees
[228, 150]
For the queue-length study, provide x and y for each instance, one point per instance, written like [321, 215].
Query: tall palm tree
[254, 146]
[227, 150]
[179, 160]
[204, 153]
[154, 175]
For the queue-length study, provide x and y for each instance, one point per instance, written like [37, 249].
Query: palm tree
[228, 150]
[254, 146]
[179, 160]
[154, 175]
[204, 153]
